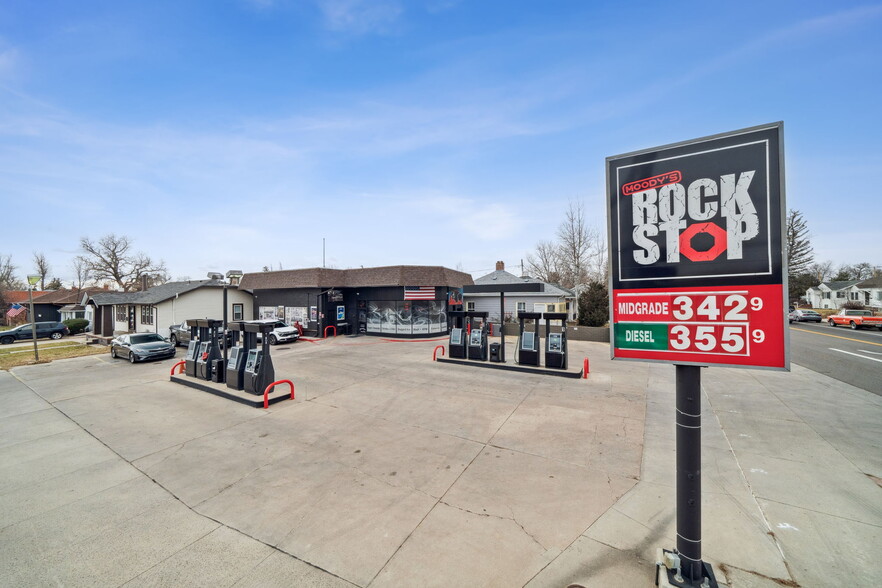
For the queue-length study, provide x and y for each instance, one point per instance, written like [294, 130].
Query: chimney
[106, 286]
[143, 283]
[500, 266]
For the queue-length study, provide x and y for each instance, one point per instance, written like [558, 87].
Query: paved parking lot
[391, 470]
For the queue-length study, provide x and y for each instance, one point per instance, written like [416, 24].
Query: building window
[522, 307]
[840, 294]
[470, 306]
[855, 295]
[146, 315]
[121, 315]
[826, 296]
[238, 312]
[549, 308]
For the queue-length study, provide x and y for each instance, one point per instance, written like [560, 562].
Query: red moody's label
[651, 183]
[711, 325]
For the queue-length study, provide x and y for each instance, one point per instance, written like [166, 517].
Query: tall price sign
[698, 269]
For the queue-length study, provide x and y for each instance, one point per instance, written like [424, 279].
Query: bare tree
[8, 281]
[545, 262]
[822, 270]
[41, 265]
[577, 258]
[111, 259]
[82, 275]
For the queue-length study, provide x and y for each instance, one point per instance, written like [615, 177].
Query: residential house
[155, 309]
[21, 298]
[551, 298]
[834, 294]
[872, 290]
[65, 304]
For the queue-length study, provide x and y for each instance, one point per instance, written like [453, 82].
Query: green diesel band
[642, 336]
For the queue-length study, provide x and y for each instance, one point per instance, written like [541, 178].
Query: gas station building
[400, 300]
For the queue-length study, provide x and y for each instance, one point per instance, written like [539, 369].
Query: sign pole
[689, 471]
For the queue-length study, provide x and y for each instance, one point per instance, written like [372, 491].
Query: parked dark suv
[53, 330]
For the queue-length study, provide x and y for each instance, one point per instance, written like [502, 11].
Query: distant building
[553, 298]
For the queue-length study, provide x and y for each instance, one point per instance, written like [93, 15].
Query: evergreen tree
[800, 254]
[594, 305]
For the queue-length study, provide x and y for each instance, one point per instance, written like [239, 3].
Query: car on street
[855, 318]
[47, 329]
[141, 347]
[804, 315]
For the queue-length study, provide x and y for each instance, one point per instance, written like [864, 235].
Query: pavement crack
[502, 518]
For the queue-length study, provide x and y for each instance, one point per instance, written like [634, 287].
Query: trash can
[494, 352]
[217, 371]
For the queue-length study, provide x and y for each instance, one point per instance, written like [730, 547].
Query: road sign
[697, 256]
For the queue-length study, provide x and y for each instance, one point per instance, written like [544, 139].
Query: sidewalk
[391, 470]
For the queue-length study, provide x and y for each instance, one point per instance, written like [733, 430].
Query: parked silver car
[141, 347]
[804, 315]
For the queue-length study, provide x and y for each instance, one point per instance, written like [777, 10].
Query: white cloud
[360, 16]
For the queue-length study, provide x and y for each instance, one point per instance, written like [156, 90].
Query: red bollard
[435, 351]
[585, 369]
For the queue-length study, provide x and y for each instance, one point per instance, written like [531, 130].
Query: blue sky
[240, 133]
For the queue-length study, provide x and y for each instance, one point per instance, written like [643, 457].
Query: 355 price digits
[713, 338]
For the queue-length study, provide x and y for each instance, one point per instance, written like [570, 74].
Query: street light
[32, 282]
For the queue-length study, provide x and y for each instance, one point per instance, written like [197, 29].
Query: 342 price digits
[732, 309]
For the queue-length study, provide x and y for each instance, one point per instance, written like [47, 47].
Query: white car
[281, 333]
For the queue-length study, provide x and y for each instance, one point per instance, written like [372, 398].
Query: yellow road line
[837, 336]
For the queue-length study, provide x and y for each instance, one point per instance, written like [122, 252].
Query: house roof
[19, 296]
[834, 286]
[393, 275]
[871, 283]
[153, 295]
[504, 277]
[67, 296]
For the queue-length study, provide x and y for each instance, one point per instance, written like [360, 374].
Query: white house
[154, 310]
[872, 290]
[554, 298]
[835, 294]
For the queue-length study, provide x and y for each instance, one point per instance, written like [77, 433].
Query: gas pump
[192, 349]
[209, 351]
[555, 343]
[259, 372]
[236, 362]
[456, 347]
[527, 352]
[477, 348]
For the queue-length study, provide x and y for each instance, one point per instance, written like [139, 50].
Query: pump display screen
[554, 342]
[456, 337]
[234, 355]
[203, 348]
[528, 341]
[253, 361]
[475, 338]
[192, 348]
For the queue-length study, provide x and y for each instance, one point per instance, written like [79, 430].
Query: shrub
[594, 305]
[76, 325]
[854, 305]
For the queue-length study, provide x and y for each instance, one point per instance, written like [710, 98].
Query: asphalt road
[854, 357]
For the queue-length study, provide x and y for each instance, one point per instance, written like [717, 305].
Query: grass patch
[16, 356]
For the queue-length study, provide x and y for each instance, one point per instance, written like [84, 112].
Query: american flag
[15, 310]
[419, 292]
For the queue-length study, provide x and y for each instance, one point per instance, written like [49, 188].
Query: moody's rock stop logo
[697, 211]
[687, 218]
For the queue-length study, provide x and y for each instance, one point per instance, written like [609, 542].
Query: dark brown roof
[393, 275]
[18, 296]
[66, 296]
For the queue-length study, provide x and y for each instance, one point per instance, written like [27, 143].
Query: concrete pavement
[391, 470]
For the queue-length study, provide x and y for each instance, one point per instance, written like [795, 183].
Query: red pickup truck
[855, 319]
